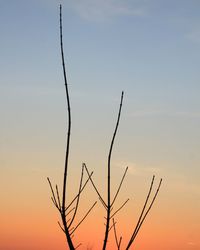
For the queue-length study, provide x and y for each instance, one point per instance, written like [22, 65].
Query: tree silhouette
[68, 212]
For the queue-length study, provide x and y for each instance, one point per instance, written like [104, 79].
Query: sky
[150, 49]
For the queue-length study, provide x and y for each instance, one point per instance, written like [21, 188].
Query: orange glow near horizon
[43, 233]
[32, 224]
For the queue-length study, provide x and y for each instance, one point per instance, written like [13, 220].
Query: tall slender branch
[60, 200]
[69, 240]
[109, 173]
[69, 112]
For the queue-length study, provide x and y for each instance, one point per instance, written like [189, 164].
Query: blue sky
[148, 48]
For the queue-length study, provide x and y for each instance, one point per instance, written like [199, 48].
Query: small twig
[145, 204]
[149, 208]
[55, 204]
[83, 218]
[61, 227]
[115, 232]
[71, 229]
[119, 186]
[80, 192]
[110, 228]
[52, 191]
[78, 198]
[119, 209]
[104, 205]
[69, 211]
[78, 245]
[58, 197]
[118, 243]
[95, 188]
[68, 221]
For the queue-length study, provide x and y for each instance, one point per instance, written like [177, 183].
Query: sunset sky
[150, 49]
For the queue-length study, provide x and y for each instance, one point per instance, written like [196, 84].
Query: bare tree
[109, 205]
[64, 210]
[68, 210]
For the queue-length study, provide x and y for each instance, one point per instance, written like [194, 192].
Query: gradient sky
[148, 48]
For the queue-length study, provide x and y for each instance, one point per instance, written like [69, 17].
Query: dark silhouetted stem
[109, 173]
[68, 139]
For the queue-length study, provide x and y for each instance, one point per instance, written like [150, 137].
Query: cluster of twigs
[68, 212]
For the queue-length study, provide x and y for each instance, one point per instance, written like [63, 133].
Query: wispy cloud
[191, 243]
[100, 10]
[138, 170]
[156, 113]
[191, 28]
[194, 36]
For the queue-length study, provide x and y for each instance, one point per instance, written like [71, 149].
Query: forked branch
[143, 213]
[95, 188]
